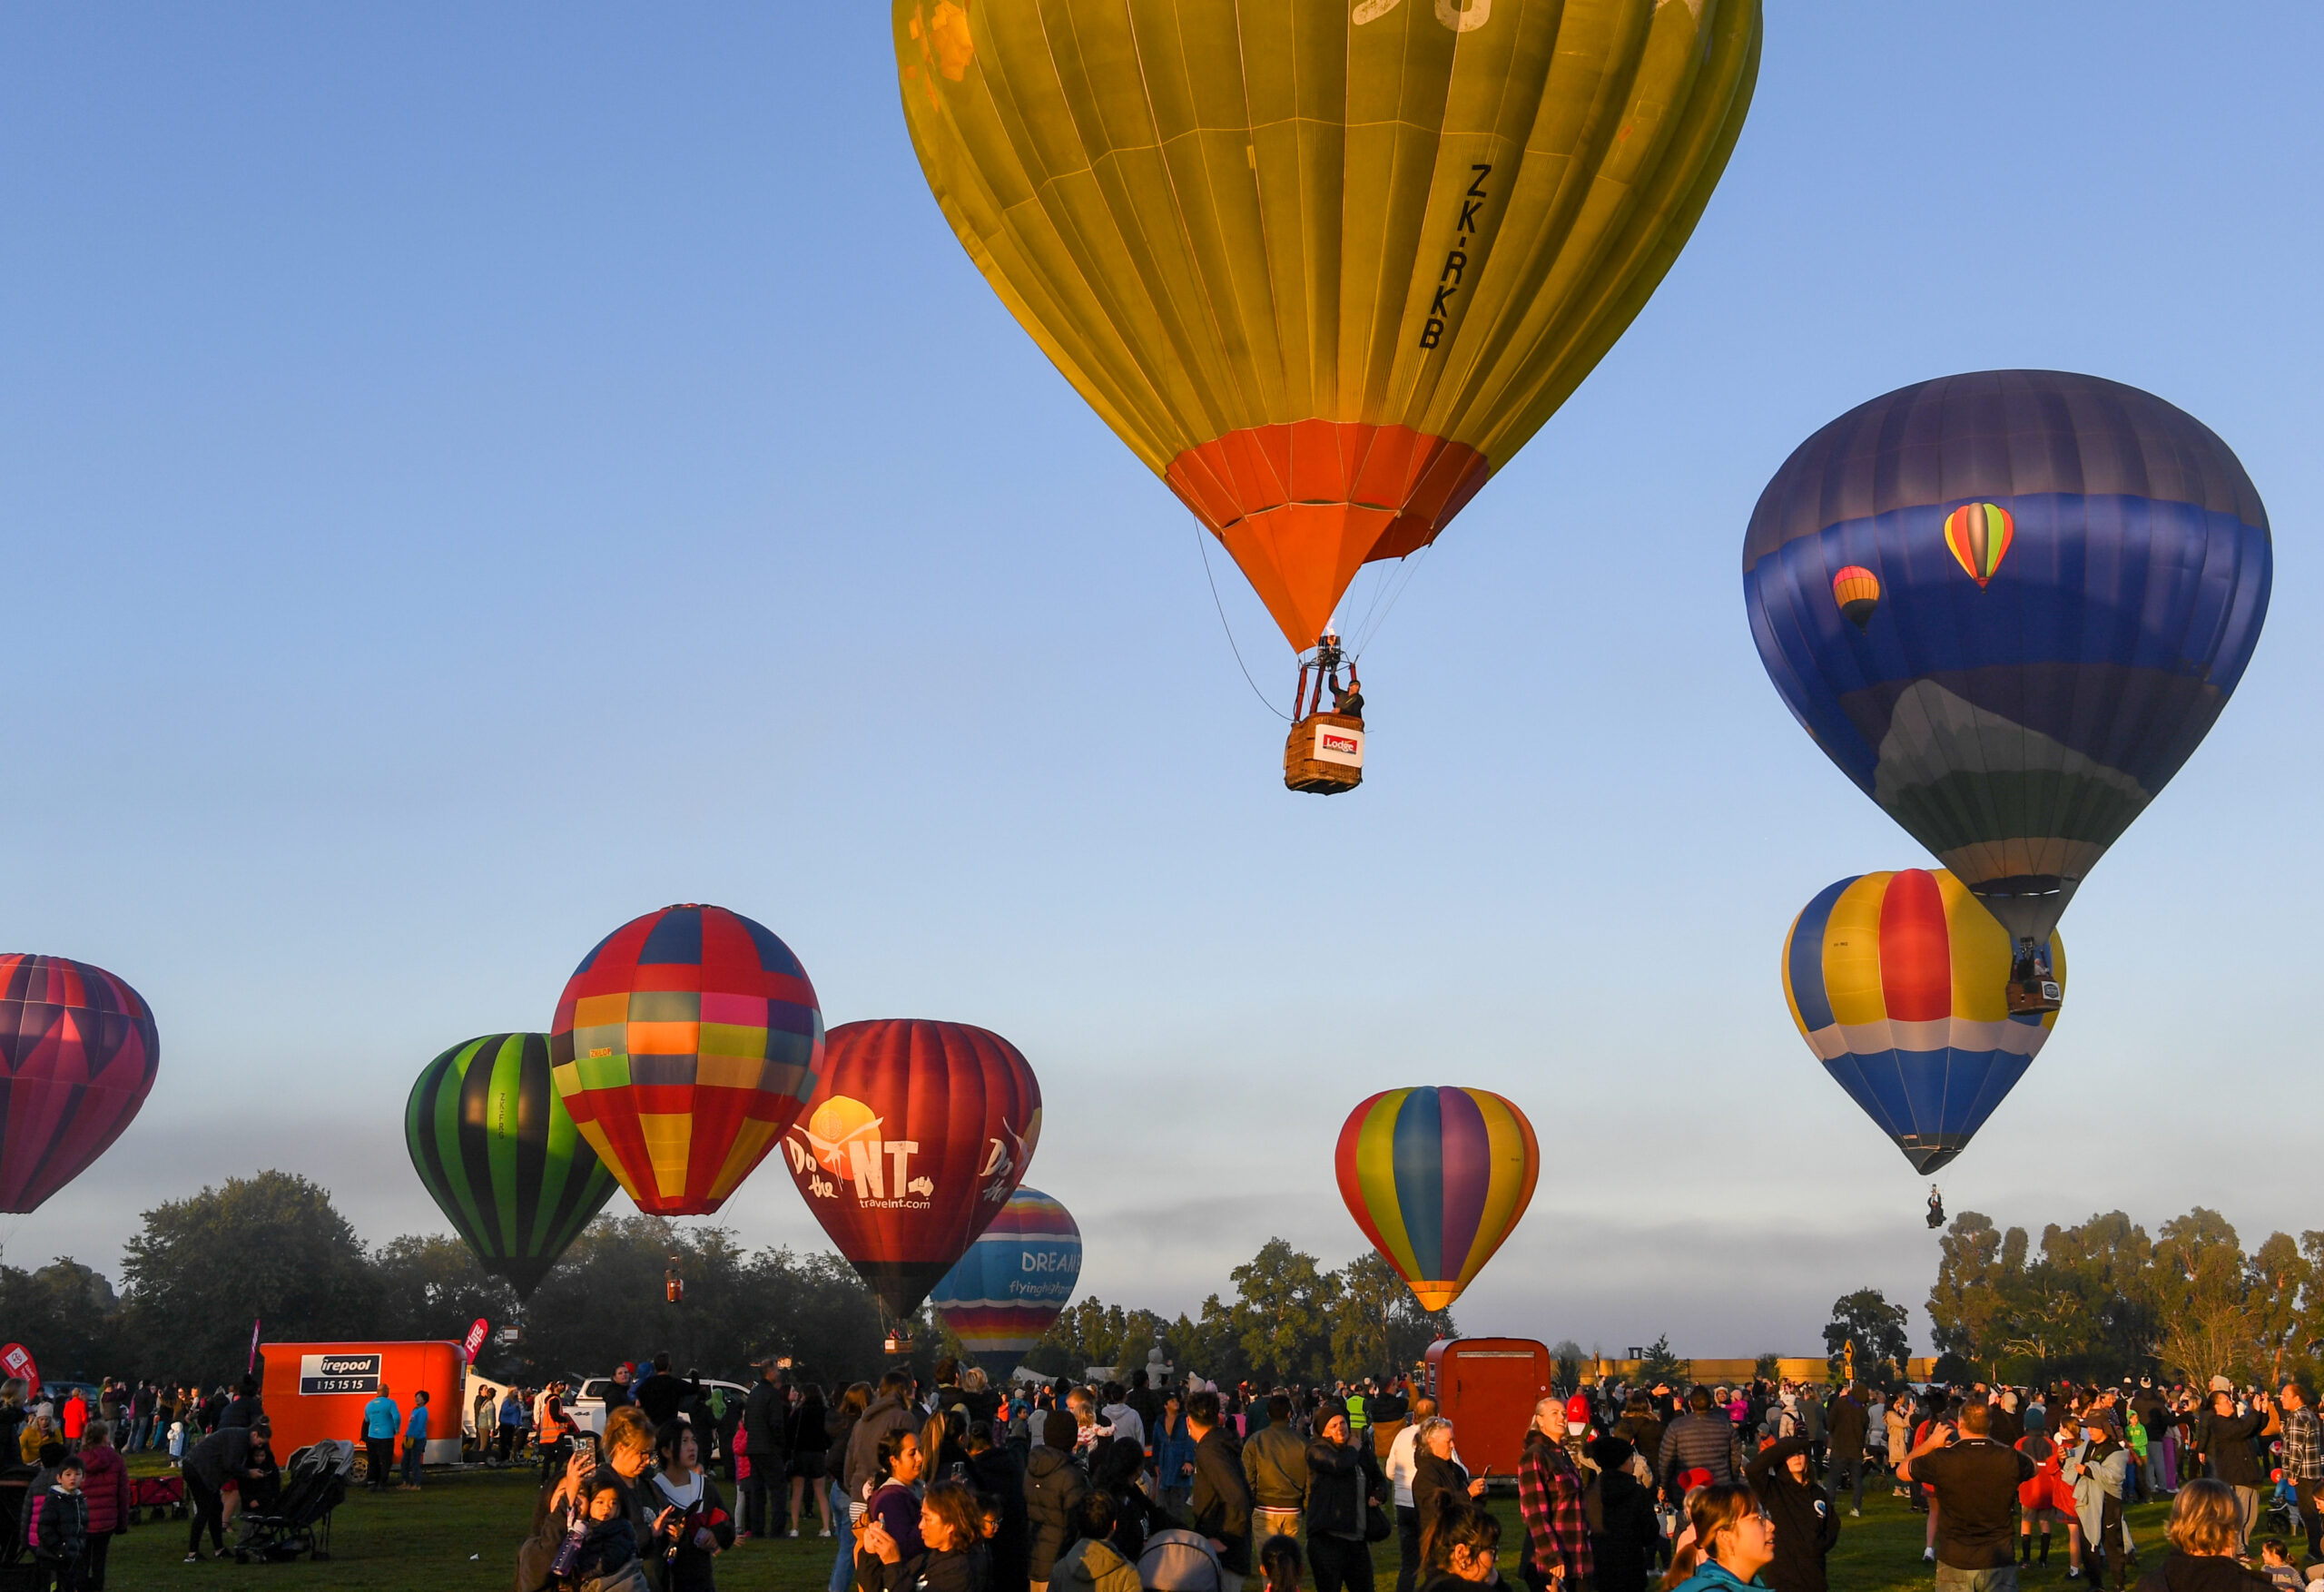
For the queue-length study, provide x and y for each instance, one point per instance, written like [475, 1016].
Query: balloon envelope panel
[1899, 983]
[2072, 574]
[1437, 1178]
[684, 1045]
[916, 1135]
[78, 1051]
[1017, 1276]
[502, 1157]
[1324, 267]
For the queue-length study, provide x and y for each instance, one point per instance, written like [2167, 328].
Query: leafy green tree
[1767, 1366]
[1969, 1301]
[1875, 1328]
[1378, 1327]
[1283, 1311]
[432, 1286]
[67, 1316]
[269, 1248]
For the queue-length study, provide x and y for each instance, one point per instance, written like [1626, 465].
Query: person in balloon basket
[691, 1525]
[382, 1424]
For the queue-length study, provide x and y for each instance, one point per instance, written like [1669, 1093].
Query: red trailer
[1487, 1387]
[315, 1391]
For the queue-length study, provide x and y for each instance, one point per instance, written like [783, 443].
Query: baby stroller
[313, 1485]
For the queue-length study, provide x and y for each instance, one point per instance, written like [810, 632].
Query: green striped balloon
[495, 1147]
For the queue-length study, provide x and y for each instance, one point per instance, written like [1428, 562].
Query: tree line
[272, 1249]
[2102, 1298]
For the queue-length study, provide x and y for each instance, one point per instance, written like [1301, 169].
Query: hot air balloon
[1323, 270]
[2073, 577]
[1858, 591]
[684, 1045]
[1437, 1179]
[77, 1055]
[500, 1155]
[1896, 980]
[1002, 1295]
[915, 1137]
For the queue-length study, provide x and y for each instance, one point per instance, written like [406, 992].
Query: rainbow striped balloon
[1002, 1295]
[1437, 1179]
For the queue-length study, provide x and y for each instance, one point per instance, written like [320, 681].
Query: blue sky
[469, 478]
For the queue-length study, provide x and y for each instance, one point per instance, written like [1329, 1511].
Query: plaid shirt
[1549, 1496]
[2302, 1457]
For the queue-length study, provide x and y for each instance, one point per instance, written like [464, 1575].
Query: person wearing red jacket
[106, 1486]
[74, 1417]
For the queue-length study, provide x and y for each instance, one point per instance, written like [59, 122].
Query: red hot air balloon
[79, 1050]
[916, 1135]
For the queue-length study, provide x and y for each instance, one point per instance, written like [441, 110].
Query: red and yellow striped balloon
[1858, 591]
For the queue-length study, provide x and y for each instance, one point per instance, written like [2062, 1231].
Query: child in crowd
[600, 1550]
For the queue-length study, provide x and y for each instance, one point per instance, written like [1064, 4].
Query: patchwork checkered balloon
[684, 1046]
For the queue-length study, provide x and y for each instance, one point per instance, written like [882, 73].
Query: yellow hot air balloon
[1324, 265]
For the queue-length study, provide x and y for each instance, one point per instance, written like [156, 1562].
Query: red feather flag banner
[916, 1135]
[78, 1051]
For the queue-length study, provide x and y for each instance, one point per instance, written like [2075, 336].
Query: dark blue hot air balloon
[2069, 577]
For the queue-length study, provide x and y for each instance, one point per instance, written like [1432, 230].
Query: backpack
[1178, 1560]
[1094, 1562]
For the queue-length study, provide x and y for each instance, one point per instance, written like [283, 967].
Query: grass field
[462, 1532]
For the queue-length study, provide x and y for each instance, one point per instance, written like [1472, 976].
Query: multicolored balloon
[1437, 1179]
[2073, 577]
[916, 1135]
[78, 1051]
[500, 1155]
[1895, 981]
[1325, 267]
[1018, 1274]
[683, 1044]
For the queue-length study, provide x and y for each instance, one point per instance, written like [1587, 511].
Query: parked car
[587, 1405]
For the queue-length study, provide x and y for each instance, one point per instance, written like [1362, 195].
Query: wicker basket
[1324, 754]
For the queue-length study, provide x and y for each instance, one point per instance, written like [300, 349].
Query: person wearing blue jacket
[1733, 1539]
[1174, 1456]
[383, 1421]
[415, 1441]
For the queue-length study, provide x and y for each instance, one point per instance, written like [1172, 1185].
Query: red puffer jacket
[106, 1488]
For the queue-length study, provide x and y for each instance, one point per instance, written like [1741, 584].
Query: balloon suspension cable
[1202, 547]
[1375, 615]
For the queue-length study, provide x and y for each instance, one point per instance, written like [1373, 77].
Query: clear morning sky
[470, 475]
